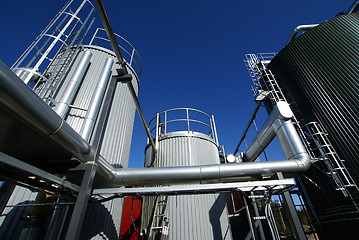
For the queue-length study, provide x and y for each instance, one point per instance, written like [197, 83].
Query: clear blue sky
[191, 51]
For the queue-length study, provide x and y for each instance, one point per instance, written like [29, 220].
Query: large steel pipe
[218, 173]
[277, 124]
[266, 134]
[300, 28]
[72, 87]
[18, 99]
[96, 100]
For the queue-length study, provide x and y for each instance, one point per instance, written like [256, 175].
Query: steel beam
[74, 230]
[31, 170]
[275, 185]
[78, 214]
[292, 213]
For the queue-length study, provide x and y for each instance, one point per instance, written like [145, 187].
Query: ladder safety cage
[323, 149]
[313, 136]
[45, 63]
[252, 62]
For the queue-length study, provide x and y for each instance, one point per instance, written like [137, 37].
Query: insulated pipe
[217, 173]
[354, 7]
[19, 100]
[266, 133]
[72, 87]
[300, 28]
[96, 100]
[277, 124]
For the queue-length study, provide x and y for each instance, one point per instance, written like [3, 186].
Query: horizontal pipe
[18, 99]
[277, 124]
[300, 28]
[217, 173]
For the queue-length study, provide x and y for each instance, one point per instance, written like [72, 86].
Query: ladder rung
[259, 218]
[156, 228]
[256, 196]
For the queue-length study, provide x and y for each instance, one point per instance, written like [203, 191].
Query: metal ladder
[276, 94]
[160, 223]
[324, 150]
[312, 134]
[56, 73]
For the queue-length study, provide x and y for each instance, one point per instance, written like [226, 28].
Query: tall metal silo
[78, 83]
[103, 219]
[185, 137]
[318, 74]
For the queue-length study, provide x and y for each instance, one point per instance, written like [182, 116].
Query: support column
[292, 213]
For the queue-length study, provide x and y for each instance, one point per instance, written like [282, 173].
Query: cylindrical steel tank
[188, 216]
[104, 219]
[319, 75]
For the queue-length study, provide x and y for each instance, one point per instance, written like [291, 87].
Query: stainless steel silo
[185, 137]
[103, 219]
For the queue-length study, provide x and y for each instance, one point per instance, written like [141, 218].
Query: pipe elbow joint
[304, 162]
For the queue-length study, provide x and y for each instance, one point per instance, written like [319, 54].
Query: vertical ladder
[251, 60]
[325, 151]
[160, 223]
[56, 73]
[312, 135]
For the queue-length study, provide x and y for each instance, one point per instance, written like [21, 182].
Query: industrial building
[67, 110]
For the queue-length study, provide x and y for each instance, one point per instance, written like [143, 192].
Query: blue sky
[191, 51]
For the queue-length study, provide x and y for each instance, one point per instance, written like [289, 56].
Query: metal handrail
[163, 124]
[132, 56]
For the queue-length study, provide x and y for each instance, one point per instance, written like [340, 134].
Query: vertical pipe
[133, 52]
[165, 122]
[188, 128]
[215, 130]
[74, 84]
[96, 101]
[157, 129]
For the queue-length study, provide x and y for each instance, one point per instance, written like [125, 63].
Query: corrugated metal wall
[319, 75]
[192, 216]
[13, 219]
